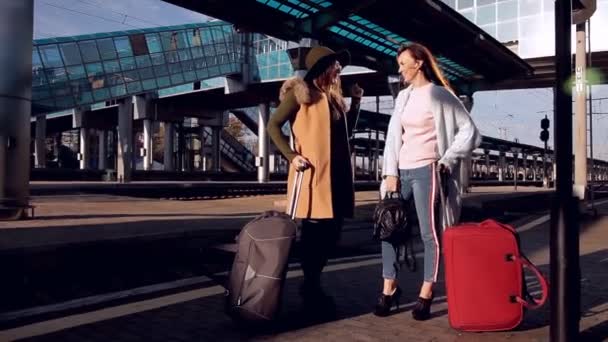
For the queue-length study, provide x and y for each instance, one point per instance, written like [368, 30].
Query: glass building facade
[83, 70]
[271, 58]
[527, 26]
[87, 70]
[363, 31]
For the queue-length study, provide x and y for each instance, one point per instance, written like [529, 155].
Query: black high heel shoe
[422, 310]
[386, 302]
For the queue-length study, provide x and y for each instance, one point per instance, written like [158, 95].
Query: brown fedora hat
[320, 57]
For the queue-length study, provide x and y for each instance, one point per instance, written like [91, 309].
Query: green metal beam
[319, 22]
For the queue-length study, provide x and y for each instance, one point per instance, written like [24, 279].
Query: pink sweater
[419, 136]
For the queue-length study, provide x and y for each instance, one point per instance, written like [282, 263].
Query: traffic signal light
[544, 134]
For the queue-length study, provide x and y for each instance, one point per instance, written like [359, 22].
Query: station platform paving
[76, 218]
[196, 313]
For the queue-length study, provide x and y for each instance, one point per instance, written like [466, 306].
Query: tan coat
[311, 130]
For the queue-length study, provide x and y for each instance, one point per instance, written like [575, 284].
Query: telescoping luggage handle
[295, 194]
[447, 222]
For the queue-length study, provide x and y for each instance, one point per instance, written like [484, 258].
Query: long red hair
[430, 68]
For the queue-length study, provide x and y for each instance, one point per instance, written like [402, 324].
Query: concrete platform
[196, 314]
[77, 219]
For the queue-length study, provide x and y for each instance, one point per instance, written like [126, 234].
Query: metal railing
[235, 151]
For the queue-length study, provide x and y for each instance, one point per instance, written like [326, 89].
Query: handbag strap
[392, 194]
[405, 253]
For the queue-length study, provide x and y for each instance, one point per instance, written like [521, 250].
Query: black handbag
[393, 223]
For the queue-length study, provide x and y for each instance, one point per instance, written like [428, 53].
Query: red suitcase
[485, 284]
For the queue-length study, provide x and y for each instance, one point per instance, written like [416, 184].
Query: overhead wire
[88, 14]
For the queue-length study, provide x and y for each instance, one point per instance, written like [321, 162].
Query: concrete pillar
[524, 164]
[124, 158]
[377, 156]
[215, 148]
[40, 144]
[487, 157]
[144, 108]
[580, 115]
[202, 166]
[168, 153]
[84, 148]
[102, 150]
[515, 168]
[15, 102]
[148, 152]
[534, 167]
[262, 159]
[181, 147]
[553, 171]
[501, 166]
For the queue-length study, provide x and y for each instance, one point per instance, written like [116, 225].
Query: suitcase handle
[543, 283]
[295, 194]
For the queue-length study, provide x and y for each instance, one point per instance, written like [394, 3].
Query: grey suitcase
[255, 282]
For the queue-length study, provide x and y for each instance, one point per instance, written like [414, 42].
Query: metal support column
[534, 167]
[370, 155]
[215, 148]
[84, 148]
[168, 143]
[181, 147]
[148, 133]
[124, 158]
[15, 102]
[591, 156]
[501, 166]
[564, 242]
[545, 169]
[40, 144]
[101, 164]
[524, 164]
[262, 159]
[203, 163]
[377, 156]
[487, 155]
[580, 116]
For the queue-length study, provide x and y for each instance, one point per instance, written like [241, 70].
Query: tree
[236, 129]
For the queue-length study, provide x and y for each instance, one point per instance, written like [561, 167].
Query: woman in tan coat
[321, 127]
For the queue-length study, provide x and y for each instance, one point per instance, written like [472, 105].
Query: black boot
[422, 310]
[386, 302]
[316, 302]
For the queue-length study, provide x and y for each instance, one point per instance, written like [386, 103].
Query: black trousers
[318, 240]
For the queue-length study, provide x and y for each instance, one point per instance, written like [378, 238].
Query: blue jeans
[422, 184]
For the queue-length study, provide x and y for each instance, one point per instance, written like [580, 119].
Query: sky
[54, 18]
[513, 114]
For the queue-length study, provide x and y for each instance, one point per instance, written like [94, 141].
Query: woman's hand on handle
[444, 169]
[300, 163]
[392, 183]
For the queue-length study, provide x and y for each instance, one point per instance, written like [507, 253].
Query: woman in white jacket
[429, 130]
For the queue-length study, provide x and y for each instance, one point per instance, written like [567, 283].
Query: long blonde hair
[333, 90]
